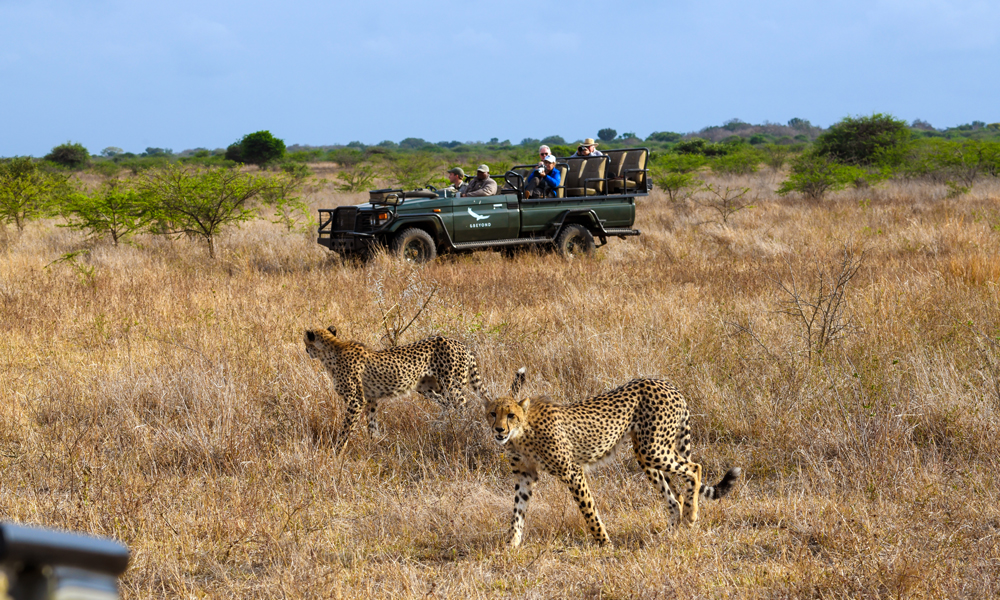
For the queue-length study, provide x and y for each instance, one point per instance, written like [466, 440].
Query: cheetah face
[319, 341]
[507, 418]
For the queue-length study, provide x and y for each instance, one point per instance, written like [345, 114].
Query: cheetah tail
[474, 379]
[714, 492]
[518, 383]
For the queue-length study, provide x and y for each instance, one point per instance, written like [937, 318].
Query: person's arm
[554, 177]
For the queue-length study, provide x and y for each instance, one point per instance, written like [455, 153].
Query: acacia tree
[201, 202]
[26, 191]
[117, 210]
[412, 171]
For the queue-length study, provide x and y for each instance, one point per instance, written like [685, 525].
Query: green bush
[26, 191]
[413, 171]
[673, 183]
[953, 160]
[235, 153]
[775, 156]
[813, 175]
[201, 202]
[260, 148]
[69, 155]
[742, 161]
[282, 195]
[117, 210]
[357, 177]
[866, 141]
[678, 163]
[664, 136]
[703, 147]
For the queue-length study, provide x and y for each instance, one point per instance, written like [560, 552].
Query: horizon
[202, 75]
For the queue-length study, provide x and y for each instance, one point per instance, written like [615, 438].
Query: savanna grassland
[845, 353]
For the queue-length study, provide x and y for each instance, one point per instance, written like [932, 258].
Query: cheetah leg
[690, 474]
[662, 485]
[577, 483]
[372, 422]
[354, 401]
[526, 477]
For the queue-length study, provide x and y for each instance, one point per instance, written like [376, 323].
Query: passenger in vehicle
[544, 181]
[587, 148]
[543, 151]
[482, 185]
[457, 178]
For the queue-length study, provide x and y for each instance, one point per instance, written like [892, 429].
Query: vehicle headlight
[380, 218]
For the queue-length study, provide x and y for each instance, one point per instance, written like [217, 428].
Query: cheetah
[566, 439]
[437, 367]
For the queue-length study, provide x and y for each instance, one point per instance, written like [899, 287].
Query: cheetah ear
[524, 404]
[332, 330]
[310, 336]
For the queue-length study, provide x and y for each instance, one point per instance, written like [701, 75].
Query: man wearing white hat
[482, 185]
[587, 148]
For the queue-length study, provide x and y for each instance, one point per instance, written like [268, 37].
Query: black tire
[414, 245]
[575, 240]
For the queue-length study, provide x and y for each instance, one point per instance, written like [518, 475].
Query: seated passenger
[544, 181]
[587, 148]
[457, 178]
[543, 151]
[482, 185]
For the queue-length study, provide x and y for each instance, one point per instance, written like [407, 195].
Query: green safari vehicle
[596, 201]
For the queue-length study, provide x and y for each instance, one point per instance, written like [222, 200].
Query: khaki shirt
[477, 187]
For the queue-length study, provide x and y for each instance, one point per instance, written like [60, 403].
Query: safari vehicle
[595, 201]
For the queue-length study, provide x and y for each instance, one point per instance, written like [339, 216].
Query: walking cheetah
[437, 367]
[564, 440]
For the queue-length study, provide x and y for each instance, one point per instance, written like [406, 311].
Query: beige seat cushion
[631, 169]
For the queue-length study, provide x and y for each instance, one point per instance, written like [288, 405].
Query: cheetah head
[507, 416]
[320, 341]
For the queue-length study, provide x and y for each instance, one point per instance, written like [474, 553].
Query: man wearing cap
[587, 148]
[482, 185]
[457, 178]
[543, 181]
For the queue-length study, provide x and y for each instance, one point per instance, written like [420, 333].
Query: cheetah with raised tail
[437, 367]
[564, 440]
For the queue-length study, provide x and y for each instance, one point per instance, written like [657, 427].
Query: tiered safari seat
[628, 169]
[585, 176]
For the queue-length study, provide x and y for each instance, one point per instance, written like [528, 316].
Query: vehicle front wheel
[414, 245]
[575, 240]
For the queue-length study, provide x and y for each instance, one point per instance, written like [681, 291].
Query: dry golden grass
[153, 395]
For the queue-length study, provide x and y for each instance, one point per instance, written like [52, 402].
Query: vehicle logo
[478, 217]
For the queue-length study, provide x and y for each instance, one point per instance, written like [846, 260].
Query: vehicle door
[482, 218]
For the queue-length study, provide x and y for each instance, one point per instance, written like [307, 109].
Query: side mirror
[44, 563]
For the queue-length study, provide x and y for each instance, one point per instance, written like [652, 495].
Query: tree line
[201, 193]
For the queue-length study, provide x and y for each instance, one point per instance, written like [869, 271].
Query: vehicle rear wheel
[575, 240]
[414, 245]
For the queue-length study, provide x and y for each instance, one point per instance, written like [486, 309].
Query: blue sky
[185, 74]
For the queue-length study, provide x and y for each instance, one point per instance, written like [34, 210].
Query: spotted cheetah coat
[437, 367]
